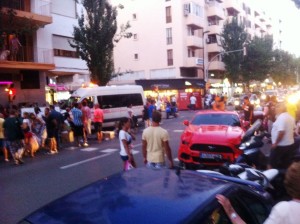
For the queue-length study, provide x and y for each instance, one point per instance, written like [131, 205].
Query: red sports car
[210, 139]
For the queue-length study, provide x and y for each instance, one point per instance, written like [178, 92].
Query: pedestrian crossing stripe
[109, 150]
[88, 149]
[178, 131]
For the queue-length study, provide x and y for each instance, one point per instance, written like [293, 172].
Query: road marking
[178, 130]
[114, 150]
[89, 149]
[106, 152]
[109, 150]
[176, 160]
[135, 152]
[85, 161]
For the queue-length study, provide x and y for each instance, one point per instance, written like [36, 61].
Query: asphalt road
[45, 178]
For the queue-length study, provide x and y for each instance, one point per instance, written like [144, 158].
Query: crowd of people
[25, 134]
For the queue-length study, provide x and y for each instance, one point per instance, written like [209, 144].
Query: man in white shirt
[193, 102]
[282, 135]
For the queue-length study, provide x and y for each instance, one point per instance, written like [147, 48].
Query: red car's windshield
[216, 119]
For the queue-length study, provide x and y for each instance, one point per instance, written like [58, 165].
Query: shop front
[182, 89]
[56, 93]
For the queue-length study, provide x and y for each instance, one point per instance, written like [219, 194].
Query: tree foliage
[94, 38]
[233, 38]
[297, 3]
[284, 66]
[257, 63]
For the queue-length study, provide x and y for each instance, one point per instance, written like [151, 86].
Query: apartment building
[179, 41]
[43, 68]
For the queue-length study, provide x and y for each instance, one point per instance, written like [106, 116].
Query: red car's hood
[215, 134]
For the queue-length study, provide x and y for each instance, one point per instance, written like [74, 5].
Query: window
[197, 10]
[250, 207]
[31, 79]
[212, 39]
[218, 216]
[170, 57]
[62, 48]
[136, 56]
[121, 100]
[169, 35]
[135, 36]
[134, 16]
[168, 14]
[193, 8]
[191, 31]
[65, 8]
[191, 53]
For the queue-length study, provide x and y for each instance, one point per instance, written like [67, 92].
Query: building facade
[180, 39]
[42, 67]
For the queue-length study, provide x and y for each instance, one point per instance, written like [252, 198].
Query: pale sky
[290, 16]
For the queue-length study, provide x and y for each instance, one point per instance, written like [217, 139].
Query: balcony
[216, 66]
[213, 47]
[39, 12]
[233, 5]
[215, 29]
[257, 22]
[215, 11]
[194, 42]
[196, 22]
[193, 62]
[30, 58]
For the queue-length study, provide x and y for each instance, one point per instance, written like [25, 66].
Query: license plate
[210, 156]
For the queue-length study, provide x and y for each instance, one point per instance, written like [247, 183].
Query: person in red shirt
[98, 120]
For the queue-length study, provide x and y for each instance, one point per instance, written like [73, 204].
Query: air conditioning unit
[199, 61]
[186, 9]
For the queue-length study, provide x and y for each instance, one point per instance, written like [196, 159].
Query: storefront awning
[68, 71]
[58, 87]
[150, 84]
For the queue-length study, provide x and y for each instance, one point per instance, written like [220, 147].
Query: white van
[113, 100]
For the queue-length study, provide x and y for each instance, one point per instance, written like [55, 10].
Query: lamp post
[203, 34]
[221, 53]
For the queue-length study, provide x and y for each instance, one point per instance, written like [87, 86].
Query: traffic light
[11, 93]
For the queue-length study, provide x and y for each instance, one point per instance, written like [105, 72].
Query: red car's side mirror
[186, 122]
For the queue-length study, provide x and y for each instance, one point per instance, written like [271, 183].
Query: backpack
[271, 113]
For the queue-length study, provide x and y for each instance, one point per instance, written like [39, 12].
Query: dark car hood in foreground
[138, 196]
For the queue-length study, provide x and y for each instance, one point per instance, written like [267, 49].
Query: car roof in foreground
[138, 196]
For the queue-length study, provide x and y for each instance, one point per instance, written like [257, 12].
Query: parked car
[211, 139]
[145, 195]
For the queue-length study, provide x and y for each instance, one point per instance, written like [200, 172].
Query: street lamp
[204, 32]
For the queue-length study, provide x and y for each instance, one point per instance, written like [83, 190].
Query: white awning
[68, 71]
